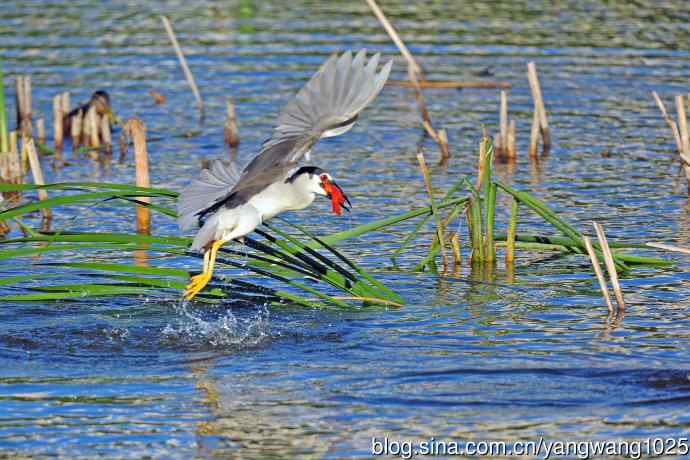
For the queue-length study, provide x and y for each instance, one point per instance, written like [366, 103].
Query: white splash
[217, 329]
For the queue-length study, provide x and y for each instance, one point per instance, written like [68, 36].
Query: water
[136, 376]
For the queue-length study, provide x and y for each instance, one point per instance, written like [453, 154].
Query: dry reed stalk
[15, 175]
[19, 99]
[535, 88]
[65, 103]
[671, 123]
[41, 130]
[668, 247]
[106, 135]
[58, 115]
[390, 30]
[28, 106]
[415, 74]
[682, 125]
[502, 147]
[136, 130]
[122, 142]
[230, 132]
[534, 135]
[24, 155]
[443, 142]
[37, 174]
[600, 275]
[23, 104]
[439, 226]
[457, 256]
[92, 127]
[183, 62]
[610, 265]
[76, 131]
[512, 149]
[445, 84]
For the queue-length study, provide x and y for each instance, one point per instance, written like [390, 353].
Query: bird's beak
[337, 196]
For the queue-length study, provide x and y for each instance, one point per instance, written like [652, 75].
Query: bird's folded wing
[326, 106]
[211, 185]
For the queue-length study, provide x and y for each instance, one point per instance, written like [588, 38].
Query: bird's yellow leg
[201, 280]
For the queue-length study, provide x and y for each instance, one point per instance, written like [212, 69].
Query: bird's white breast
[280, 197]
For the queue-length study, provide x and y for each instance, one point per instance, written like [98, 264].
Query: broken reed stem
[457, 255]
[600, 275]
[512, 149]
[534, 135]
[76, 126]
[41, 131]
[136, 130]
[15, 163]
[23, 98]
[4, 135]
[93, 128]
[610, 265]
[502, 146]
[19, 99]
[65, 103]
[535, 88]
[183, 62]
[684, 152]
[37, 174]
[443, 143]
[682, 125]
[106, 135]
[12, 170]
[439, 225]
[27, 107]
[230, 132]
[671, 123]
[669, 247]
[512, 230]
[445, 84]
[415, 75]
[390, 30]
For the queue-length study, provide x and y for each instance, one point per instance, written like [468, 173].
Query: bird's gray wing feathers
[211, 185]
[326, 106]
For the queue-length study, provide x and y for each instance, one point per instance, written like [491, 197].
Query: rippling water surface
[521, 356]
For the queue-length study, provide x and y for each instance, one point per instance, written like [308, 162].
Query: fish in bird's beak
[337, 196]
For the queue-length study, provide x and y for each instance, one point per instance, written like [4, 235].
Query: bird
[226, 204]
[100, 100]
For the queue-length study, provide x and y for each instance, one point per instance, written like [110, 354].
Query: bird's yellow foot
[197, 284]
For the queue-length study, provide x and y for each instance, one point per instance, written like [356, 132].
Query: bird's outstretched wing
[326, 106]
[212, 185]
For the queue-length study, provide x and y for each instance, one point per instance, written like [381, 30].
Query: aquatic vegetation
[308, 266]
[284, 258]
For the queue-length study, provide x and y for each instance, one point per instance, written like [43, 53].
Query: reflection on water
[506, 353]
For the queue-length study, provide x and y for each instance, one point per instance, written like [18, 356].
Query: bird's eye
[324, 178]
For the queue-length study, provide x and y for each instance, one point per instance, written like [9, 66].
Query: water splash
[211, 327]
